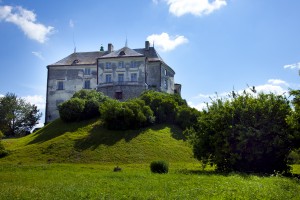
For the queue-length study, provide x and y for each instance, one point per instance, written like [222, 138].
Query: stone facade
[121, 74]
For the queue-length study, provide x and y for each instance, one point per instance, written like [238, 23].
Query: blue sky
[213, 45]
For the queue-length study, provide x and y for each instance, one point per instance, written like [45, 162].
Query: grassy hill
[89, 142]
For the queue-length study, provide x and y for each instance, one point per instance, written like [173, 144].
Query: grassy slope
[89, 142]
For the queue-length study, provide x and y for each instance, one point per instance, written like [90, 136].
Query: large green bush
[3, 152]
[71, 110]
[91, 101]
[247, 133]
[132, 114]
[164, 106]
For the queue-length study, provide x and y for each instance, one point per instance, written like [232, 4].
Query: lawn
[92, 181]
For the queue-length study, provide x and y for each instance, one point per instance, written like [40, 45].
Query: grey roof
[81, 58]
[90, 58]
[124, 52]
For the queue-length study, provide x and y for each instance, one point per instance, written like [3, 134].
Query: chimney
[147, 45]
[110, 48]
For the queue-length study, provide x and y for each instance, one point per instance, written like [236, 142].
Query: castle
[121, 74]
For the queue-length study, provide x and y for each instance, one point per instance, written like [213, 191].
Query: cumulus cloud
[38, 54]
[198, 106]
[26, 21]
[292, 66]
[37, 100]
[166, 42]
[194, 7]
[277, 82]
[275, 86]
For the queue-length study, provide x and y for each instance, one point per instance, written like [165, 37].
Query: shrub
[160, 167]
[125, 115]
[187, 117]
[3, 152]
[71, 110]
[163, 105]
[246, 133]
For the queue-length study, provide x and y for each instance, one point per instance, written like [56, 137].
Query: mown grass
[76, 161]
[91, 181]
[89, 142]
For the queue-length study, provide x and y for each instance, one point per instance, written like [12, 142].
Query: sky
[214, 46]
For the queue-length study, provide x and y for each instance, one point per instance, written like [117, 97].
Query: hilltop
[89, 142]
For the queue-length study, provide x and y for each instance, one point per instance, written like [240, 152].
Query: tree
[3, 152]
[17, 116]
[246, 133]
[91, 100]
[132, 114]
[71, 110]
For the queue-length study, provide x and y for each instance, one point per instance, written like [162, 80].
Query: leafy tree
[247, 134]
[16, 115]
[163, 105]
[71, 110]
[132, 114]
[187, 117]
[89, 99]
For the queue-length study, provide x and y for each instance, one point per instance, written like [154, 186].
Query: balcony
[119, 83]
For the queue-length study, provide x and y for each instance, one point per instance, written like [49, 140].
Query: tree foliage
[247, 133]
[17, 116]
[84, 104]
[163, 105]
[132, 114]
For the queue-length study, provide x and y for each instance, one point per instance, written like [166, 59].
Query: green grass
[76, 161]
[89, 142]
[91, 181]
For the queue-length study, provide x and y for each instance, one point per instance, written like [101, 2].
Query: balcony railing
[118, 83]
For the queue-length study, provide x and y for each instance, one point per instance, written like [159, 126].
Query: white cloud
[277, 82]
[26, 20]
[38, 54]
[199, 106]
[292, 66]
[37, 100]
[194, 7]
[166, 42]
[1, 95]
[155, 1]
[71, 23]
[275, 86]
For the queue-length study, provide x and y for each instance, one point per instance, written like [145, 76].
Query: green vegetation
[83, 105]
[89, 142]
[3, 152]
[17, 117]
[90, 181]
[132, 114]
[246, 133]
[160, 167]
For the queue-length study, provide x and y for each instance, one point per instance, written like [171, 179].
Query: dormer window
[75, 62]
[122, 53]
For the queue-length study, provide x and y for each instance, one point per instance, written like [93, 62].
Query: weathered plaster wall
[73, 78]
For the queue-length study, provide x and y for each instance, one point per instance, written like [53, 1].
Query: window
[121, 64]
[134, 77]
[60, 85]
[87, 71]
[120, 77]
[118, 95]
[87, 84]
[122, 53]
[134, 64]
[165, 72]
[108, 65]
[108, 78]
[166, 84]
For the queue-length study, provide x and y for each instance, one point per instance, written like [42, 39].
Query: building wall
[109, 71]
[73, 79]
